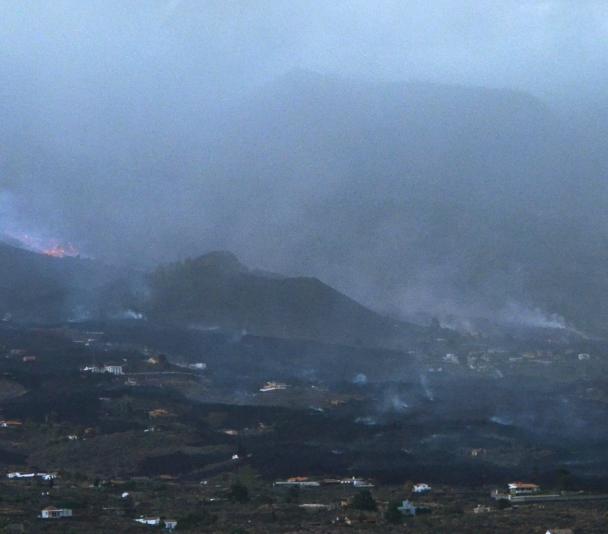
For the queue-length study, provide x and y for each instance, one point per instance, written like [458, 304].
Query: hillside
[40, 288]
[417, 197]
[216, 290]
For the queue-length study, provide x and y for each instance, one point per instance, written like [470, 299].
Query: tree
[196, 520]
[364, 501]
[293, 495]
[238, 492]
[393, 514]
[564, 479]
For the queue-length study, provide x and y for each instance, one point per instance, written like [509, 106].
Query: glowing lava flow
[61, 251]
[49, 247]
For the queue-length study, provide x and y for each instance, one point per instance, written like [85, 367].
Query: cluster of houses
[420, 488]
[60, 513]
[305, 482]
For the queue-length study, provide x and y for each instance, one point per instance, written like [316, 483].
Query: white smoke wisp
[424, 382]
[519, 314]
[130, 315]
[360, 379]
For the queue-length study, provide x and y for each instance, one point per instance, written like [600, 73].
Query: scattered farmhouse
[421, 488]
[357, 482]
[43, 476]
[407, 508]
[169, 524]
[110, 369]
[11, 423]
[273, 386]
[151, 521]
[301, 482]
[523, 488]
[55, 513]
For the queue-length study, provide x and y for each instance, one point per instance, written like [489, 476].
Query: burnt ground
[389, 416]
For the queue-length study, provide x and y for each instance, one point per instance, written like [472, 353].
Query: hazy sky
[82, 78]
[77, 46]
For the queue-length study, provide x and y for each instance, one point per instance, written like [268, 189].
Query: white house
[357, 482]
[113, 369]
[152, 521]
[301, 482]
[55, 513]
[522, 488]
[20, 475]
[170, 524]
[421, 487]
[43, 476]
[407, 508]
[273, 386]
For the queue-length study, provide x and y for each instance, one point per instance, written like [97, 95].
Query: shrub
[364, 501]
[393, 515]
[238, 492]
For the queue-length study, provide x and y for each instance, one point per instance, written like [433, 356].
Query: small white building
[43, 476]
[407, 508]
[300, 482]
[273, 386]
[110, 369]
[55, 513]
[113, 369]
[422, 487]
[523, 488]
[170, 524]
[357, 482]
[151, 521]
[17, 474]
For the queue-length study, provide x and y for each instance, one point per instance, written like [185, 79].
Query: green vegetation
[364, 501]
[238, 492]
[392, 514]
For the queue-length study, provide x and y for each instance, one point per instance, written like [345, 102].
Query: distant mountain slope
[216, 290]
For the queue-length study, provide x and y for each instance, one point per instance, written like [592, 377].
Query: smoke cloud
[429, 159]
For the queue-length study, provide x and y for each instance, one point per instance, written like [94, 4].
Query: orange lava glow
[61, 251]
[48, 247]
